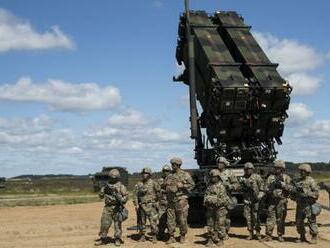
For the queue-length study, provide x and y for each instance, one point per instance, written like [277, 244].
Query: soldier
[305, 193]
[146, 196]
[231, 183]
[115, 196]
[178, 185]
[215, 201]
[253, 190]
[162, 212]
[278, 187]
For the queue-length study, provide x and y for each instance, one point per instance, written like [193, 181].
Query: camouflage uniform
[146, 195]
[177, 198]
[215, 201]
[231, 183]
[162, 211]
[278, 189]
[111, 208]
[253, 191]
[306, 193]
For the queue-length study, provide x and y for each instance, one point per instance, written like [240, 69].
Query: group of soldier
[164, 204]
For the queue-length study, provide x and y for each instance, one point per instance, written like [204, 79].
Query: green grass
[322, 176]
[45, 201]
[51, 191]
[59, 186]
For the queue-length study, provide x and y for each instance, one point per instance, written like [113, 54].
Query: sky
[86, 84]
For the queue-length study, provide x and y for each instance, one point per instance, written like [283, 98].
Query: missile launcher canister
[242, 96]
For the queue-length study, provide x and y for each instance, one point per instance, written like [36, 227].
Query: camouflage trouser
[108, 216]
[216, 223]
[276, 213]
[148, 211]
[162, 223]
[251, 214]
[228, 222]
[178, 212]
[302, 212]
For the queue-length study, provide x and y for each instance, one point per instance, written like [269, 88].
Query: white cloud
[307, 143]
[158, 3]
[16, 34]
[291, 55]
[328, 55]
[304, 84]
[318, 130]
[296, 62]
[298, 113]
[129, 117]
[61, 95]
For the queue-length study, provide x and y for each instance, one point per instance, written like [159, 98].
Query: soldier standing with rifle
[162, 212]
[277, 188]
[231, 183]
[253, 190]
[215, 201]
[146, 197]
[306, 193]
[115, 196]
[178, 185]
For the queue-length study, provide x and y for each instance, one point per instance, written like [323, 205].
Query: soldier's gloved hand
[260, 196]
[283, 184]
[180, 185]
[101, 195]
[229, 187]
[303, 195]
[143, 190]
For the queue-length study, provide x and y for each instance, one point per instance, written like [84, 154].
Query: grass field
[62, 191]
[53, 191]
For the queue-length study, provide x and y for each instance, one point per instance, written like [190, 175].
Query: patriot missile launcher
[242, 97]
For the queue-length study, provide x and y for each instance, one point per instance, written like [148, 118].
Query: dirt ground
[77, 226]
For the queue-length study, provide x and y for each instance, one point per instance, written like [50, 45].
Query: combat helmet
[222, 160]
[177, 161]
[214, 173]
[146, 170]
[248, 165]
[279, 164]
[305, 167]
[166, 168]
[114, 173]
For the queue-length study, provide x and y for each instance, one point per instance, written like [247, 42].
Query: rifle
[299, 192]
[249, 188]
[277, 183]
[122, 213]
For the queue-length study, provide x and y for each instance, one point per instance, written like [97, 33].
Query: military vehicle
[2, 182]
[100, 178]
[242, 96]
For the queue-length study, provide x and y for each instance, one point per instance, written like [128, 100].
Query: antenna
[192, 78]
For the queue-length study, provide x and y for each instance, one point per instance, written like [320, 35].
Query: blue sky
[88, 83]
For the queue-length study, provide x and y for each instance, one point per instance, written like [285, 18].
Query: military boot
[280, 238]
[314, 239]
[258, 235]
[101, 241]
[301, 239]
[267, 238]
[171, 240]
[117, 242]
[154, 239]
[209, 242]
[142, 238]
[219, 242]
[182, 239]
[250, 236]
